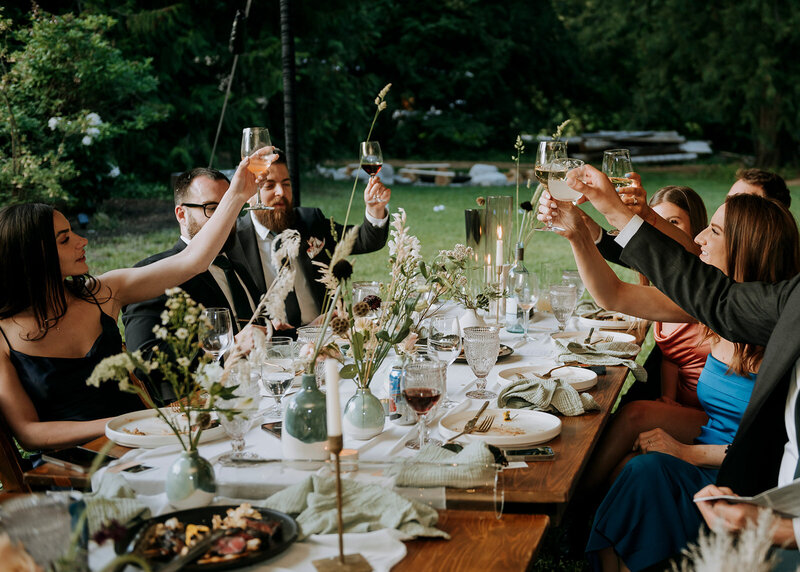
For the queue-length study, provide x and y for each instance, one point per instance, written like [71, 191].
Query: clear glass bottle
[513, 313]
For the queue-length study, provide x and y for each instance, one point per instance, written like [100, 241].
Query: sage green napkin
[365, 508]
[601, 353]
[433, 466]
[113, 500]
[546, 395]
[585, 307]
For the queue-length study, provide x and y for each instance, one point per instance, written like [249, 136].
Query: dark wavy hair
[30, 272]
[762, 244]
[773, 185]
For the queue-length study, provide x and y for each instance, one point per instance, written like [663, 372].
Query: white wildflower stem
[318, 346]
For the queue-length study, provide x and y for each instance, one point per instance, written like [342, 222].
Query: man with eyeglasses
[226, 284]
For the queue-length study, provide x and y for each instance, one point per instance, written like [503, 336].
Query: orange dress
[684, 347]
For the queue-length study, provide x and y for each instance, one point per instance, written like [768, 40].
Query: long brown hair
[30, 272]
[762, 245]
[687, 199]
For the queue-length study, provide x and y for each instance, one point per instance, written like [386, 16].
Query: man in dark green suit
[764, 453]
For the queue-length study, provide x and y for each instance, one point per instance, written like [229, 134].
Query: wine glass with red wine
[423, 384]
[371, 159]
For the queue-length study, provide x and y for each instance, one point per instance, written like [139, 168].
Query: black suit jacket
[308, 222]
[140, 318]
[752, 312]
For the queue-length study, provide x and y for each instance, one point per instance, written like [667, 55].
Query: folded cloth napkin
[587, 307]
[365, 508]
[546, 395]
[601, 353]
[113, 500]
[433, 466]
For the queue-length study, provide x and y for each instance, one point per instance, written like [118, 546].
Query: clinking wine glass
[481, 348]
[557, 185]
[546, 153]
[444, 342]
[423, 384]
[371, 161]
[253, 139]
[617, 166]
[216, 332]
[277, 370]
[563, 300]
[525, 289]
[239, 413]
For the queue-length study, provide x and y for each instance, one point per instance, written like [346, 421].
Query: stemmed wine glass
[617, 165]
[563, 300]
[242, 411]
[525, 288]
[422, 385]
[481, 348]
[546, 153]
[574, 277]
[371, 160]
[557, 185]
[216, 332]
[277, 370]
[253, 139]
[444, 342]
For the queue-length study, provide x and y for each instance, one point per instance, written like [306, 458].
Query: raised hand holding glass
[253, 139]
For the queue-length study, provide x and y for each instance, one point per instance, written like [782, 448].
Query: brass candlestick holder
[349, 562]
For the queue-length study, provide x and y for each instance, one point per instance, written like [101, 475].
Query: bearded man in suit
[257, 230]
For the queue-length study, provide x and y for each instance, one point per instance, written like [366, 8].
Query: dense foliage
[467, 75]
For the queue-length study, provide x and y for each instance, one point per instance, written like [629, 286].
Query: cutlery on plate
[470, 425]
[589, 337]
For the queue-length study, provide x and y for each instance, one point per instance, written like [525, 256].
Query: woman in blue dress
[57, 322]
[648, 515]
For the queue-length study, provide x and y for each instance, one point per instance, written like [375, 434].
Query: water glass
[525, 289]
[563, 299]
[41, 522]
[216, 331]
[241, 412]
[310, 335]
[481, 348]
[574, 277]
[277, 370]
[423, 384]
[444, 342]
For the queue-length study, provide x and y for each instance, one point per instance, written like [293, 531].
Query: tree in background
[68, 98]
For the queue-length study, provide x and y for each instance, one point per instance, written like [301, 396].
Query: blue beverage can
[397, 405]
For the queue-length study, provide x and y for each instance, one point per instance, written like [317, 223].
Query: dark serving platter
[279, 542]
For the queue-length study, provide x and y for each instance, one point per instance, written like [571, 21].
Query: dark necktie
[241, 304]
[797, 431]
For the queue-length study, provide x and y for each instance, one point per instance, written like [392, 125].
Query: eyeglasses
[208, 208]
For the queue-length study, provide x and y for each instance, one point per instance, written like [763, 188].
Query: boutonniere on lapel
[315, 246]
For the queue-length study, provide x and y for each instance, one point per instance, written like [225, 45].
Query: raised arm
[129, 285]
[603, 284]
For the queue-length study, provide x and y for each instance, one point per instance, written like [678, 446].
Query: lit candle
[499, 253]
[332, 397]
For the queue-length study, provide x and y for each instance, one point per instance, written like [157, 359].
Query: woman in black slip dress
[58, 322]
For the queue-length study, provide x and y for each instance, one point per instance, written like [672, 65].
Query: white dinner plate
[618, 321]
[597, 336]
[579, 378]
[144, 429]
[525, 428]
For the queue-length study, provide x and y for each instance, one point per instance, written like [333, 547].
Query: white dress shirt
[305, 299]
[790, 450]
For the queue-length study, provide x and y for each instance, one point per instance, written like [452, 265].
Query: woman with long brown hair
[57, 322]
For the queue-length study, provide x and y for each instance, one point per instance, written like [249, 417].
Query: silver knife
[470, 425]
[195, 551]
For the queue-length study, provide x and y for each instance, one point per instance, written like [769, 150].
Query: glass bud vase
[364, 416]
[190, 481]
[305, 431]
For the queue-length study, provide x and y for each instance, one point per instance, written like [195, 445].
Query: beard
[279, 219]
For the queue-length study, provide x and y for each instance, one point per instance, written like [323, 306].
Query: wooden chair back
[12, 465]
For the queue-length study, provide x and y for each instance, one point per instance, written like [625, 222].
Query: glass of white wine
[557, 185]
[617, 166]
[253, 139]
[526, 292]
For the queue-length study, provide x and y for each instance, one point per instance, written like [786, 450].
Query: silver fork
[485, 424]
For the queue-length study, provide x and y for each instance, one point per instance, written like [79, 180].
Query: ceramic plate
[281, 540]
[578, 377]
[616, 321]
[505, 351]
[597, 335]
[525, 428]
[146, 430]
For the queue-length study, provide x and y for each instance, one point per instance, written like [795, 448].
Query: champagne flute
[277, 370]
[526, 292]
[423, 384]
[253, 139]
[563, 299]
[557, 185]
[617, 166]
[216, 332]
[242, 410]
[444, 341]
[371, 161]
[481, 348]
